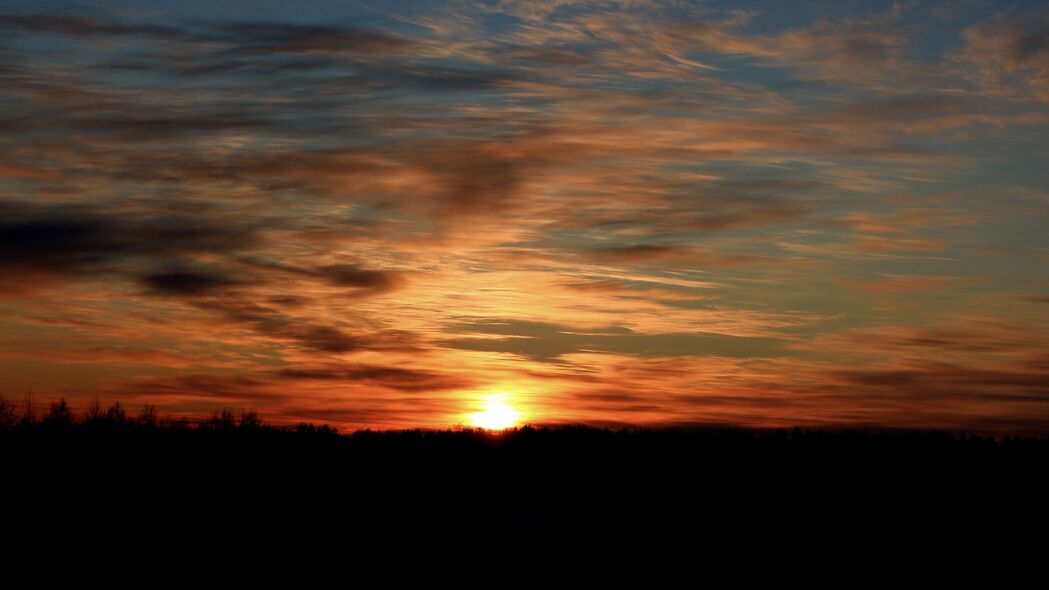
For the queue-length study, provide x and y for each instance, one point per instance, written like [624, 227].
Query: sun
[497, 415]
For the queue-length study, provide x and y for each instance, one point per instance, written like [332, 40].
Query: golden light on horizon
[496, 415]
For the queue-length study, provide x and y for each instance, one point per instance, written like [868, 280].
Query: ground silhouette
[137, 473]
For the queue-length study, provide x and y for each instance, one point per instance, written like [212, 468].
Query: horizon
[412, 215]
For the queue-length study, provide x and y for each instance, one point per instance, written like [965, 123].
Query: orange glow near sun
[496, 415]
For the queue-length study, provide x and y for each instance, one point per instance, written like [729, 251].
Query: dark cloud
[69, 242]
[478, 179]
[188, 283]
[81, 26]
[642, 254]
[59, 242]
[345, 72]
[1021, 38]
[638, 254]
[249, 37]
[464, 178]
[257, 37]
[1010, 48]
[378, 59]
[945, 380]
[547, 56]
[370, 281]
[635, 289]
[609, 395]
[438, 79]
[308, 334]
[389, 377]
[757, 217]
[894, 110]
[155, 126]
[212, 65]
[324, 338]
[547, 342]
[709, 205]
[336, 340]
[940, 341]
[289, 301]
[1031, 44]
[228, 388]
[358, 281]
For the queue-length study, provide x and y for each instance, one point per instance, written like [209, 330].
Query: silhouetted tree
[93, 412]
[148, 416]
[60, 414]
[115, 414]
[222, 420]
[7, 413]
[28, 411]
[249, 420]
[180, 423]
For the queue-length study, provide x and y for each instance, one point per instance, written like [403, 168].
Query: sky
[393, 214]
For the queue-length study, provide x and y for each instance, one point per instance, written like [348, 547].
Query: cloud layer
[618, 212]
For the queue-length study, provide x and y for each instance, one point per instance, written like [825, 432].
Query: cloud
[305, 331]
[395, 378]
[546, 342]
[247, 37]
[638, 254]
[759, 215]
[358, 281]
[361, 279]
[909, 114]
[634, 290]
[154, 126]
[1011, 52]
[288, 38]
[77, 242]
[900, 284]
[228, 388]
[642, 254]
[187, 283]
[58, 242]
[322, 338]
[82, 26]
[943, 380]
[972, 341]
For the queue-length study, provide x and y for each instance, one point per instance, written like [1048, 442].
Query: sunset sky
[396, 214]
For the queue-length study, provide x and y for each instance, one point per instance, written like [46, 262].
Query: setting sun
[497, 415]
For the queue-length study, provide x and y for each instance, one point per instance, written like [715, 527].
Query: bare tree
[148, 416]
[28, 412]
[93, 413]
[115, 414]
[7, 413]
[60, 414]
[249, 420]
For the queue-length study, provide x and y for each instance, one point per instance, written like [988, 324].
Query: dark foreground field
[230, 477]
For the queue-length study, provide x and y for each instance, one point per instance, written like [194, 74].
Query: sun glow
[497, 415]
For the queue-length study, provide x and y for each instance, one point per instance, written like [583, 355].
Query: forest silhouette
[257, 478]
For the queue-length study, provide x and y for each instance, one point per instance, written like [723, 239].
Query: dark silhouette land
[139, 473]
